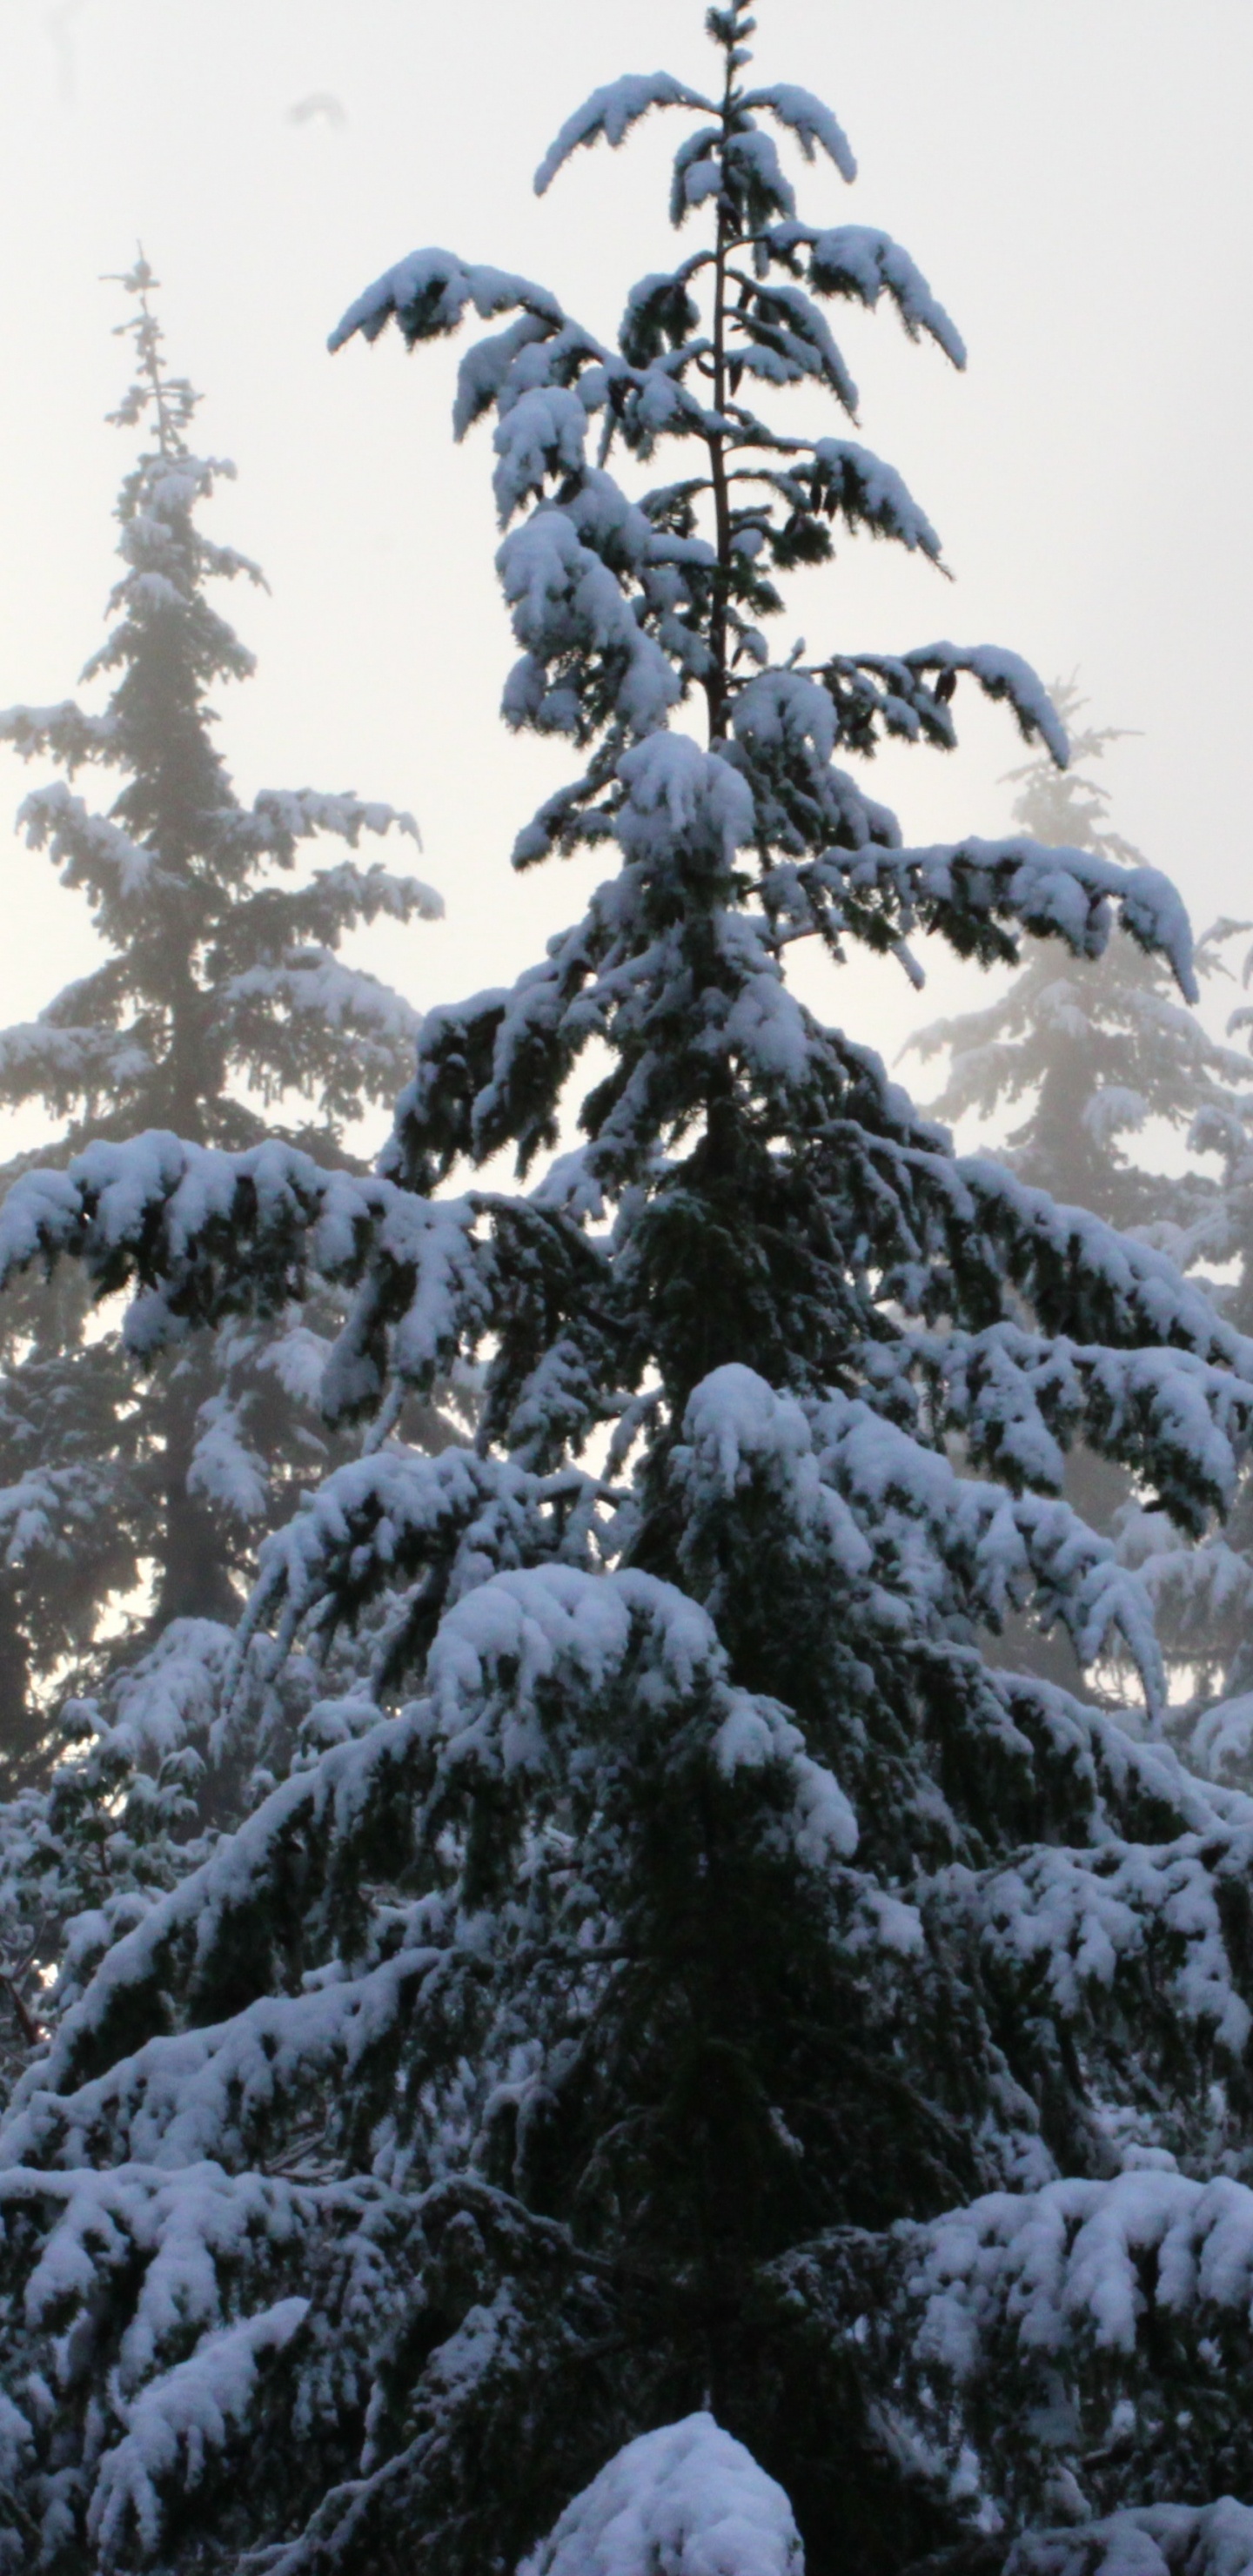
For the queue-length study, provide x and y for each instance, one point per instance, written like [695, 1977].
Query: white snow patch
[687, 2500]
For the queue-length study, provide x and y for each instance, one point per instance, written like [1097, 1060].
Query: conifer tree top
[219, 982]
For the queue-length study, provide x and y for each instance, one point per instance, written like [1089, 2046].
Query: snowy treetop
[178, 870]
[684, 2501]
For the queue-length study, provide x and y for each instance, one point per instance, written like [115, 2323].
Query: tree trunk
[194, 1579]
[22, 1725]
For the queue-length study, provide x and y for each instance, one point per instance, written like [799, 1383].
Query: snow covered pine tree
[692, 2060]
[221, 997]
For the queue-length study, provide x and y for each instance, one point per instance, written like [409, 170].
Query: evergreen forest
[626, 1699]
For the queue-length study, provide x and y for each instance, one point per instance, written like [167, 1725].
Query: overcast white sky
[1072, 175]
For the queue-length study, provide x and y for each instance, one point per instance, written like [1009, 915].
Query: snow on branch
[225, 1466]
[854, 261]
[366, 894]
[379, 1522]
[179, 2420]
[784, 339]
[203, 1234]
[517, 1661]
[1031, 2323]
[1000, 674]
[313, 985]
[50, 1507]
[168, 1697]
[885, 1522]
[1143, 2540]
[193, 1224]
[70, 735]
[282, 817]
[200, 2093]
[873, 495]
[1068, 893]
[186, 2380]
[184, 1934]
[527, 1664]
[1072, 1264]
[88, 848]
[612, 111]
[428, 292]
[430, 1282]
[269, 919]
[808, 119]
[39, 1058]
[543, 433]
[1078, 2262]
[1017, 1396]
[1114, 1923]
[565, 602]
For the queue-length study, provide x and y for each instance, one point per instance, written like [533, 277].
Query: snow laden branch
[205, 1236]
[420, 1532]
[71, 735]
[428, 294]
[1042, 2308]
[612, 111]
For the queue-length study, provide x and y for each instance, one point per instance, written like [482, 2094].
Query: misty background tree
[687, 2059]
[1093, 1052]
[1134, 1110]
[221, 1012]
[1118, 1081]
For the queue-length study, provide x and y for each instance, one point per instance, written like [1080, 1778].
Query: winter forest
[626, 1587]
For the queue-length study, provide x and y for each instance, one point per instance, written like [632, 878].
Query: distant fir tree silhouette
[687, 2062]
[220, 1009]
[1204, 1594]
[1098, 1051]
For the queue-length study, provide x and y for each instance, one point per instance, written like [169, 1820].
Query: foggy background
[1073, 178]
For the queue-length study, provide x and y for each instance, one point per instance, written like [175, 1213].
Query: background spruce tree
[1204, 1595]
[1098, 1053]
[221, 1012]
[690, 2060]
[1094, 1052]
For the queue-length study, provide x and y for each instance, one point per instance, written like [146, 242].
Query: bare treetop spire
[171, 399]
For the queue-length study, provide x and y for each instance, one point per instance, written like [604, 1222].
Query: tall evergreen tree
[221, 1007]
[691, 2061]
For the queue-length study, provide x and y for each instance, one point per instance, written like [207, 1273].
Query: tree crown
[220, 983]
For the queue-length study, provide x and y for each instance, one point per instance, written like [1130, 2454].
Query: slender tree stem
[716, 688]
[26, 2022]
